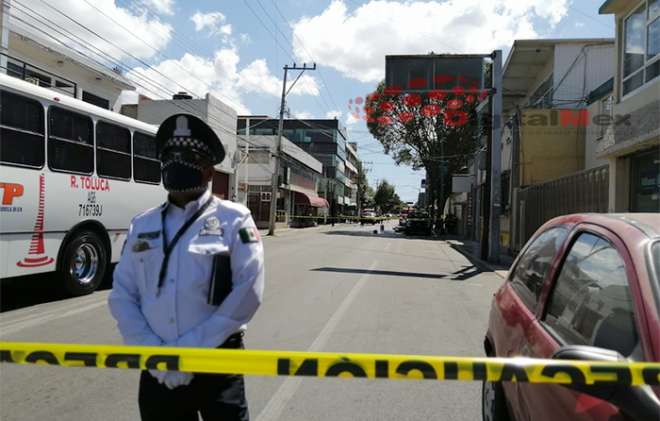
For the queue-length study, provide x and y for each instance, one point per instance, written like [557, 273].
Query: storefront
[307, 209]
[645, 181]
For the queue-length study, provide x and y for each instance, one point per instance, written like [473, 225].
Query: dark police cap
[185, 131]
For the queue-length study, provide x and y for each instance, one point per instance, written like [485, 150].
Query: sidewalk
[471, 250]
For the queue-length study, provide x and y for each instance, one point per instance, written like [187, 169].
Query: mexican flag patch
[249, 235]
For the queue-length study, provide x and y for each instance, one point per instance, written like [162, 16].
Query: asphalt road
[341, 289]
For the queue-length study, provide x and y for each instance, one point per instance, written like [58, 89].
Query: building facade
[325, 140]
[631, 145]
[298, 180]
[33, 56]
[549, 121]
[219, 116]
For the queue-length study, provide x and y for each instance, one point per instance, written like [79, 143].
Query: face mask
[179, 177]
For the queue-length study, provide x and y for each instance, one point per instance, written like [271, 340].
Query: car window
[591, 303]
[533, 265]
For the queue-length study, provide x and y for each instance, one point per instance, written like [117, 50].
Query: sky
[236, 49]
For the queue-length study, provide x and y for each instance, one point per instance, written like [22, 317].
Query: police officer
[191, 275]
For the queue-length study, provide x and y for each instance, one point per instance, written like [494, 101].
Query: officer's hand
[175, 379]
[158, 375]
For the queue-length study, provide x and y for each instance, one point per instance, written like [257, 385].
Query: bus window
[21, 131]
[146, 166]
[113, 151]
[70, 141]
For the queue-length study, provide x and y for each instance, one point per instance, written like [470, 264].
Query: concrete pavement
[342, 289]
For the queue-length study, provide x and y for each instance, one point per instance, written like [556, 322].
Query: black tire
[493, 402]
[84, 263]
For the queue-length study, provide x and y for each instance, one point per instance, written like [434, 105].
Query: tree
[437, 132]
[365, 192]
[386, 198]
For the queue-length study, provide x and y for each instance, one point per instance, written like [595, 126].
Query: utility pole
[278, 146]
[496, 161]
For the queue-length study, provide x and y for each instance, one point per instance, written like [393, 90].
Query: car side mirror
[638, 402]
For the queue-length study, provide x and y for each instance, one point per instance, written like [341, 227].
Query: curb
[481, 264]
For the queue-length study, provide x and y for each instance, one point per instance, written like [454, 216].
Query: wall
[222, 118]
[594, 138]
[583, 68]
[87, 79]
[548, 151]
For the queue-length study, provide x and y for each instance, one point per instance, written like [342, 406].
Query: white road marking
[48, 317]
[275, 406]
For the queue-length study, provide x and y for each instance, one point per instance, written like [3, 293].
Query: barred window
[70, 141]
[21, 131]
[113, 151]
[146, 166]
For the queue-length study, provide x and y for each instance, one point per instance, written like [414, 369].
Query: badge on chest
[211, 227]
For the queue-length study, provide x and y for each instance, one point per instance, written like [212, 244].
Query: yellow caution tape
[329, 364]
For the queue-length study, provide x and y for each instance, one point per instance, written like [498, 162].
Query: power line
[279, 11]
[176, 104]
[274, 36]
[269, 31]
[143, 77]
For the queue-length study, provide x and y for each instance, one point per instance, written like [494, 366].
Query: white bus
[72, 175]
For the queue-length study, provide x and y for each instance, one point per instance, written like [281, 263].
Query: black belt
[234, 341]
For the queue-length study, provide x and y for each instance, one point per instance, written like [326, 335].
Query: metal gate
[584, 191]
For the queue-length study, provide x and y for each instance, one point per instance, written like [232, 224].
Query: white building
[31, 55]
[218, 115]
[299, 178]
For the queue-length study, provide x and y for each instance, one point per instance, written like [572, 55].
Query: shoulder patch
[249, 235]
[149, 235]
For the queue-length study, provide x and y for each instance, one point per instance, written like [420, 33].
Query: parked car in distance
[585, 286]
[418, 223]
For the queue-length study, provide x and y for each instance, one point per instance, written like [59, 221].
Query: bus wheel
[84, 263]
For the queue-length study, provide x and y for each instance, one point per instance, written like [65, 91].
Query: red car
[584, 287]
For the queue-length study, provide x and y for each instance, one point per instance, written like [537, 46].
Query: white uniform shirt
[179, 314]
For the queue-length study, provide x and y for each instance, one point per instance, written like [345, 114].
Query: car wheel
[493, 402]
[84, 263]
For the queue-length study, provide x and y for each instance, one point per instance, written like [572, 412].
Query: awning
[311, 200]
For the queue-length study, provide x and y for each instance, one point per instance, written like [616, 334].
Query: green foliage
[386, 198]
[426, 132]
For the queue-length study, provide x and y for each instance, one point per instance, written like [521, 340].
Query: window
[21, 131]
[591, 303]
[146, 165]
[113, 151]
[257, 156]
[70, 141]
[530, 272]
[645, 181]
[264, 132]
[95, 100]
[641, 46]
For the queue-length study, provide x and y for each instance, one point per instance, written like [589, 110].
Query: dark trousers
[214, 396]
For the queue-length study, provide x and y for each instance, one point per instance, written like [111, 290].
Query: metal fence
[584, 191]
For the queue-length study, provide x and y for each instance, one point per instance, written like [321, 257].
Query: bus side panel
[50, 204]
[20, 262]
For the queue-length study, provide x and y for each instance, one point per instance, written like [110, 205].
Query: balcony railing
[41, 77]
